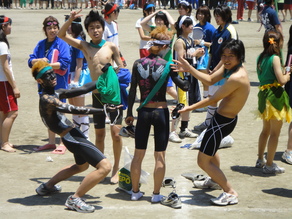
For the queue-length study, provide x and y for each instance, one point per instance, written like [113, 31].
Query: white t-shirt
[146, 33]
[110, 33]
[5, 51]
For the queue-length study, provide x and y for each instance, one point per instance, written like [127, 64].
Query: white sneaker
[261, 163]
[187, 133]
[225, 199]
[287, 156]
[208, 183]
[173, 137]
[274, 169]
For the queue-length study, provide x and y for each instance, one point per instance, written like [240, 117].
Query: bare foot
[7, 147]
[115, 176]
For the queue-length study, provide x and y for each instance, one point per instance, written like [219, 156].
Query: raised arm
[183, 65]
[63, 31]
[144, 22]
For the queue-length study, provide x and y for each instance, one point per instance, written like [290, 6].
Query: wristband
[202, 43]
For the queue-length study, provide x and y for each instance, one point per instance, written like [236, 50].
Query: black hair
[92, 17]
[236, 47]
[187, 22]
[163, 17]
[289, 44]
[272, 43]
[224, 12]
[148, 9]
[108, 7]
[185, 5]
[3, 21]
[204, 9]
[50, 19]
[76, 27]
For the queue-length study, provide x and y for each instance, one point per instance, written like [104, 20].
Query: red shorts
[250, 5]
[288, 6]
[8, 102]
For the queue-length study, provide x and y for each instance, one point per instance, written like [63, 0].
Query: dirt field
[260, 196]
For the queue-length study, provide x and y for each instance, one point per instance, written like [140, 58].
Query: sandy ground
[260, 196]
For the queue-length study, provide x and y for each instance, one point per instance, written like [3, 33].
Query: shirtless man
[98, 53]
[233, 94]
[52, 113]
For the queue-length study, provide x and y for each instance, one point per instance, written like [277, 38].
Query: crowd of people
[67, 66]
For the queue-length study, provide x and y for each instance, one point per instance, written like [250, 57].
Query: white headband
[160, 42]
[182, 20]
[185, 3]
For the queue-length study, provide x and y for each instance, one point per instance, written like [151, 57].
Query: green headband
[43, 71]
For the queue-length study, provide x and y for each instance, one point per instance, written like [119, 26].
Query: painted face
[229, 59]
[95, 31]
[159, 22]
[49, 79]
[52, 32]
[6, 29]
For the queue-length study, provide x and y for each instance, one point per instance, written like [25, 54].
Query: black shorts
[147, 117]
[219, 128]
[99, 119]
[83, 150]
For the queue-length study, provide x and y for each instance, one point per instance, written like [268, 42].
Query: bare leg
[210, 165]
[172, 92]
[263, 139]
[273, 140]
[136, 168]
[65, 173]
[159, 170]
[99, 139]
[6, 122]
[93, 178]
[117, 149]
[52, 137]
[289, 144]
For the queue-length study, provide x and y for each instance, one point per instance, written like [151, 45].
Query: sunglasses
[50, 23]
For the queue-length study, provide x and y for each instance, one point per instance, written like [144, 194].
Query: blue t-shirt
[208, 29]
[77, 54]
[220, 36]
[269, 18]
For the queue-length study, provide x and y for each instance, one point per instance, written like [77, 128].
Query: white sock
[82, 122]
[84, 125]
[76, 120]
[156, 198]
[136, 196]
